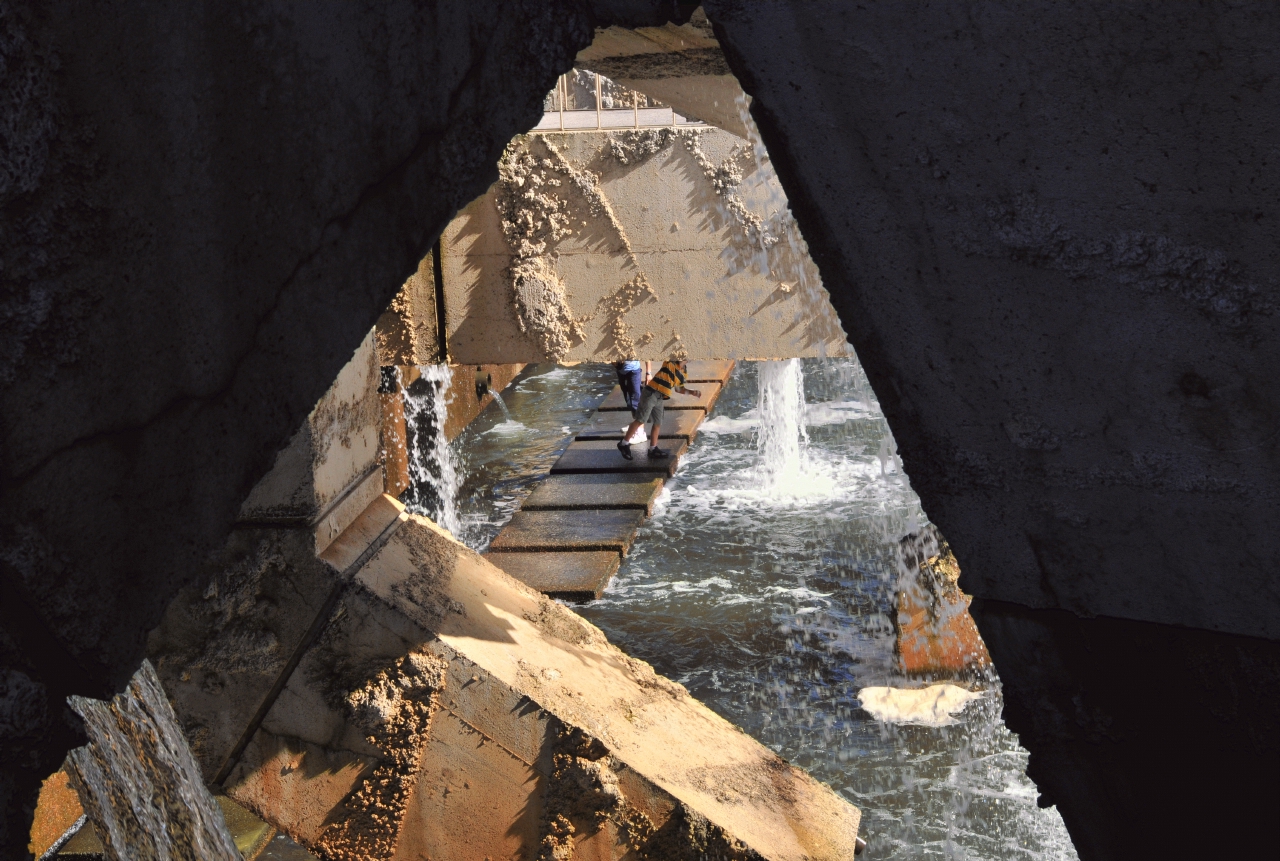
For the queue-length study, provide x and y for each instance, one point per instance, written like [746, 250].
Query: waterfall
[435, 478]
[781, 439]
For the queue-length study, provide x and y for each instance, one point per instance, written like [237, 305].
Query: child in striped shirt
[670, 378]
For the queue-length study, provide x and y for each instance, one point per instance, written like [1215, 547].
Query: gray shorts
[651, 406]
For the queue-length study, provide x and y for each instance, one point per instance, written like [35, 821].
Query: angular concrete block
[609, 529]
[610, 424]
[592, 491]
[587, 456]
[580, 576]
[710, 392]
[449, 711]
[329, 471]
[220, 647]
[709, 370]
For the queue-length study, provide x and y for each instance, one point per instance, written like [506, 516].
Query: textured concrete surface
[710, 393]
[594, 491]
[579, 576]
[597, 246]
[1048, 229]
[586, 456]
[447, 710]
[607, 529]
[610, 425]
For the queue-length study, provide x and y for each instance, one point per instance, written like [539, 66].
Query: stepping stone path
[571, 533]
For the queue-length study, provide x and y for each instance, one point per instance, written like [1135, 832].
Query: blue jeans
[629, 382]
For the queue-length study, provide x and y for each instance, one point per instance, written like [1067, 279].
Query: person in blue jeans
[630, 378]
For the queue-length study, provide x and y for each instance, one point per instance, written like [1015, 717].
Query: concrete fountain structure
[1046, 231]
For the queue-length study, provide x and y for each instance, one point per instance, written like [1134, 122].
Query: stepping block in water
[591, 455]
[576, 577]
[677, 424]
[710, 391]
[709, 370]
[595, 491]
[533, 531]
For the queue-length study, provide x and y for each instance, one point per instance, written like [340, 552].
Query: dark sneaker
[656, 453]
[625, 449]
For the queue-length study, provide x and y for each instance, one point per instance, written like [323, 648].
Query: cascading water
[435, 478]
[781, 437]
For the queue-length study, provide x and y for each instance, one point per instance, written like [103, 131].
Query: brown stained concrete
[220, 647]
[569, 492]
[464, 406]
[606, 529]
[710, 393]
[602, 456]
[936, 636]
[568, 576]
[57, 810]
[611, 424]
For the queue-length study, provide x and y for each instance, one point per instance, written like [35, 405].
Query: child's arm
[694, 392]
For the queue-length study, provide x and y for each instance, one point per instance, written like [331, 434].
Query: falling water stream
[764, 582]
[433, 471]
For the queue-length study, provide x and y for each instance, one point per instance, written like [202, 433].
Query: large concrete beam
[441, 687]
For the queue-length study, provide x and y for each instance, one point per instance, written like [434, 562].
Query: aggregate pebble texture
[446, 710]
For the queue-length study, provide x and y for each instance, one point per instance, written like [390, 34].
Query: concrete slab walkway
[572, 532]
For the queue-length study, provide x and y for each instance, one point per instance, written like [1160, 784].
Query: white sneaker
[636, 437]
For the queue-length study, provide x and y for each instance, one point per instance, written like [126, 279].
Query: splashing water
[781, 438]
[777, 611]
[435, 477]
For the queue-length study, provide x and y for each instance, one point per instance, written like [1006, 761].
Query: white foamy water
[434, 472]
[776, 610]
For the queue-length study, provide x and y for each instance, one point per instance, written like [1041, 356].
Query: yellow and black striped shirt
[668, 379]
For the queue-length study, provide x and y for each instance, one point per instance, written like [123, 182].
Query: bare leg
[631, 429]
[653, 436]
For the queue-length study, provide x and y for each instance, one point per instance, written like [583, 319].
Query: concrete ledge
[602, 456]
[676, 424]
[709, 370]
[710, 392]
[531, 531]
[595, 491]
[567, 576]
